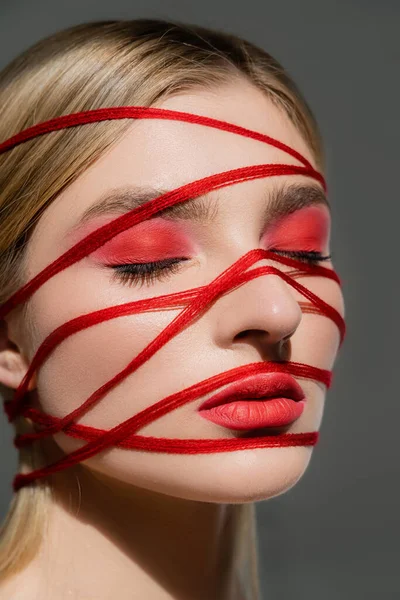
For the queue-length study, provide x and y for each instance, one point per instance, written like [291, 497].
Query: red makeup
[305, 229]
[151, 240]
[158, 239]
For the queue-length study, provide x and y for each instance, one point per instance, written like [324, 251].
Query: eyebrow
[281, 200]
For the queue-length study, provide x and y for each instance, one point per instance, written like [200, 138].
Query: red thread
[194, 301]
[142, 112]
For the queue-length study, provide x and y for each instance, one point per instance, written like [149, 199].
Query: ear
[13, 364]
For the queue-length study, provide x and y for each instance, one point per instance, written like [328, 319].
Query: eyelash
[146, 273]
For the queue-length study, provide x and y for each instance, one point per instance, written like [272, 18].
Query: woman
[150, 518]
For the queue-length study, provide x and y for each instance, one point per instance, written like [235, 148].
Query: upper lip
[261, 386]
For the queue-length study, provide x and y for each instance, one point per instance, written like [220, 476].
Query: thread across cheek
[152, 240]
[306, 229]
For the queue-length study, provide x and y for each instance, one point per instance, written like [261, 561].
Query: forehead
[167, 154]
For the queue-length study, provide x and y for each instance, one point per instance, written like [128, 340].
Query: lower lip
[253, 414]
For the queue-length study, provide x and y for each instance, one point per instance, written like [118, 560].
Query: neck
[109, 539]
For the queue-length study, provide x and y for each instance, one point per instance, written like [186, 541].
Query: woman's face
[258, 321]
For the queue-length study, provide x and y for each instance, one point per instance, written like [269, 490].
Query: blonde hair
[95, 65]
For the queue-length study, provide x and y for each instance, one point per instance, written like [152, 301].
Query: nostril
[248, 332]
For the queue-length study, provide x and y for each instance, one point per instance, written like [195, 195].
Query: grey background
[335, 535]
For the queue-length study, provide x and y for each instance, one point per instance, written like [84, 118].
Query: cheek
[307, 229]
[90, 358]
[316, 341]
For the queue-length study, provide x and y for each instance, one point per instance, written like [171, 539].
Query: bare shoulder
[23, 586]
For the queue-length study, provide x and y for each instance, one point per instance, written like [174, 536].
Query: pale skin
[128, 524]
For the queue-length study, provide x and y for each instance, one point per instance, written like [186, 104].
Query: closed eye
[147, 273]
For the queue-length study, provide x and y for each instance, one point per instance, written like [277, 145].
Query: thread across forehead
[143, 112]
[194, 303]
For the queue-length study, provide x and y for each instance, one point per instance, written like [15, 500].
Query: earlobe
[13, 366]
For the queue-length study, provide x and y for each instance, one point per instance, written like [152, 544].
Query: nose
[261, 311]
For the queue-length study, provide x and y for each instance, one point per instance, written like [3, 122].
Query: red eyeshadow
[151, 240]
[305, 229]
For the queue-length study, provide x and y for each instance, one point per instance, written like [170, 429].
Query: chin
[226, 477]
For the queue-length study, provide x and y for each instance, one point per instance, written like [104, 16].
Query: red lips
[263, 386]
